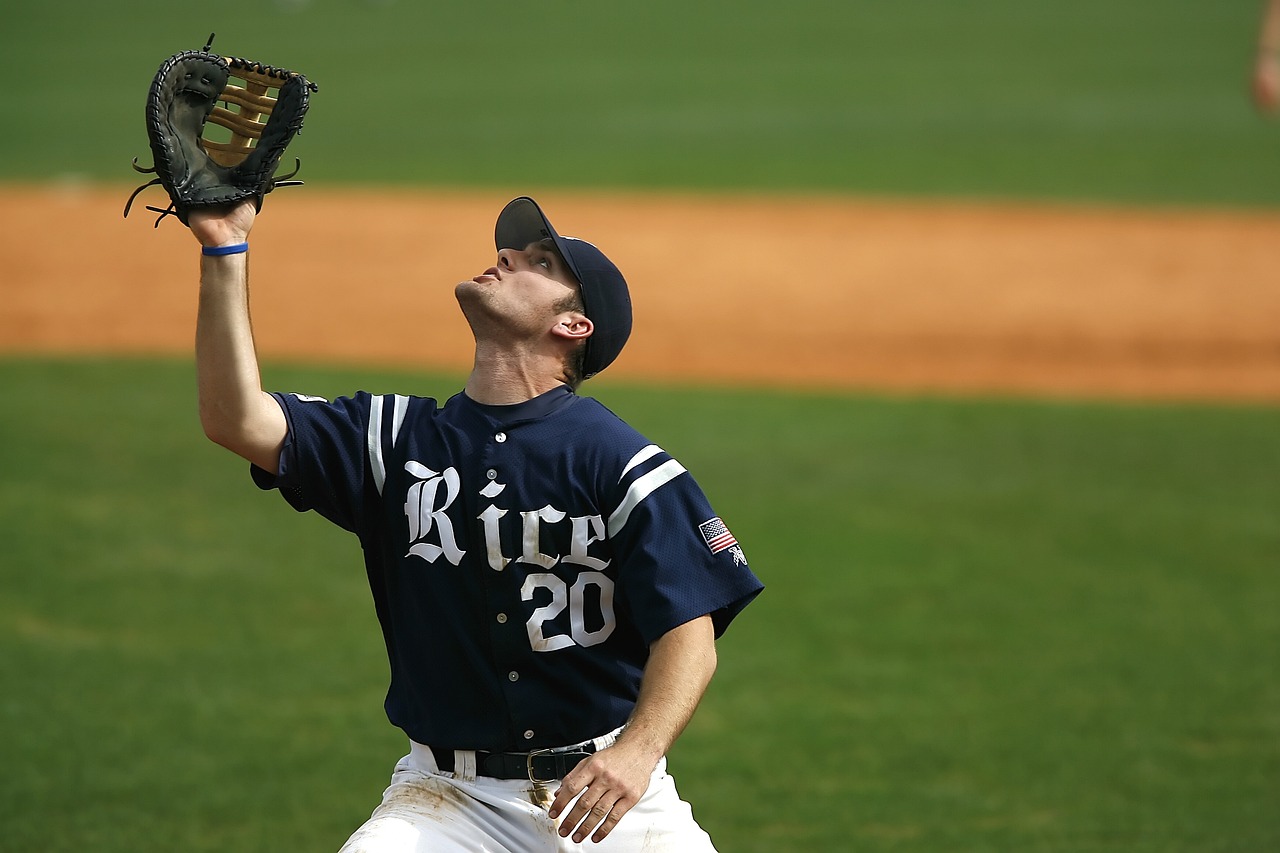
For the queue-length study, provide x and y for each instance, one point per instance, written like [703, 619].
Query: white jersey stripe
[647, 453]
[641, 489]
[373, 441]
[397, 416]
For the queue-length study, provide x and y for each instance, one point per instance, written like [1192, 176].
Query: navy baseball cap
[604, 290]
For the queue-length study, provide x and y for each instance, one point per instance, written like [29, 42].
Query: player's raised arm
[234, 410]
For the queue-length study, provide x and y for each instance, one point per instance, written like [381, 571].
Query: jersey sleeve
[678, 559]
[323, 464]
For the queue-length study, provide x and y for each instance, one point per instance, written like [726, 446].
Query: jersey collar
[529, 410]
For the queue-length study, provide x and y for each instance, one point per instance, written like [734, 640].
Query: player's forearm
[681, 663]
[234, 410]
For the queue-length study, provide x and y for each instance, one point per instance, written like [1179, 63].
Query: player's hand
[1266, 83]
[222, 226]
[610, 783]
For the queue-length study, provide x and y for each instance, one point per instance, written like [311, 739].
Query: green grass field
[1138, 101]
[990, 624]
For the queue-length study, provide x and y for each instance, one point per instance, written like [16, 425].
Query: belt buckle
[529, 766]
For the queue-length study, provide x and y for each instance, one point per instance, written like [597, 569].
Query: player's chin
[471, 295]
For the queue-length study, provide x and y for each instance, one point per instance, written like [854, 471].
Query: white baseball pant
[424, 810]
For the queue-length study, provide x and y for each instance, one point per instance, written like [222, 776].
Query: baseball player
[550, 584]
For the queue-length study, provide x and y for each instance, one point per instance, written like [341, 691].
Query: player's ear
[573, 326]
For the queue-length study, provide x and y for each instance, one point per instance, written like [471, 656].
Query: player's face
[522, 289]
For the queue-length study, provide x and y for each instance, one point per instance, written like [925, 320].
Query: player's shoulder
[600, 425]
[589, 408]
[620, 452]
[364, 402]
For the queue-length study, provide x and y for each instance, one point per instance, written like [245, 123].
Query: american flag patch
[716, 535]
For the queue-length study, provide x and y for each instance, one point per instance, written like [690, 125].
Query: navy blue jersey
[521, 558]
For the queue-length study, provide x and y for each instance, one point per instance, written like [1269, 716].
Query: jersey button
[513, 676]
[502, 618]
[500, 437]
[492, 474]
[528, 735]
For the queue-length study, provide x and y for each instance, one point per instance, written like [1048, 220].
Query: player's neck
[499, 381]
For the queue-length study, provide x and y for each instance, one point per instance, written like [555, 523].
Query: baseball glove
[182, 106]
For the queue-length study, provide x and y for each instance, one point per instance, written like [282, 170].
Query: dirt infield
[791, 292]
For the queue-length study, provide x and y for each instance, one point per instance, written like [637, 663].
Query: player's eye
[545, 262]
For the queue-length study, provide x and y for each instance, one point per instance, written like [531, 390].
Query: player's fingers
[569, 788]
[620, 808]
[579, 812]
[593, 817]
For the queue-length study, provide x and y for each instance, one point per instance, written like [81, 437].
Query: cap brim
[522, 222]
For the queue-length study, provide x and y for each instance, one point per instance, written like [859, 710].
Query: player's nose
[509, 259]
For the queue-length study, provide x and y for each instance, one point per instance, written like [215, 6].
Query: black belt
[542, 765]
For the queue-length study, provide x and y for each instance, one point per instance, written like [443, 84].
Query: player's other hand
[222, 226]
[610, 783]
[1266, 84]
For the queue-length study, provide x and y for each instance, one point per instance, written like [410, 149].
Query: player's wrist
[643, 743]
[226, 248]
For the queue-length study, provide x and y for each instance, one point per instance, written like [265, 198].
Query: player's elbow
[219, 432]
[256, 434]
[225, 434]
[219, 426]
[709, 662]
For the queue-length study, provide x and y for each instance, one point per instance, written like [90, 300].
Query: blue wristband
[234, 249]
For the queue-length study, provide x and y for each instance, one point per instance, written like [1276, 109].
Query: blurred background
[1094, 100]
[998, 616]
